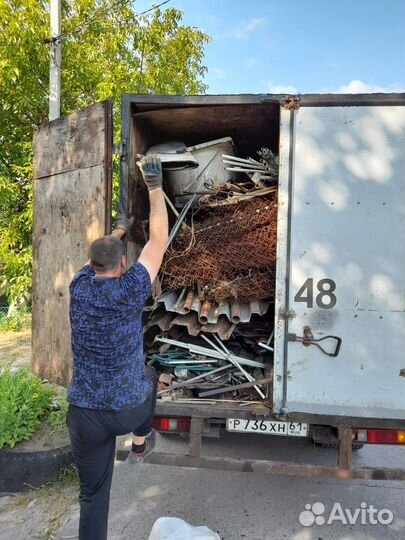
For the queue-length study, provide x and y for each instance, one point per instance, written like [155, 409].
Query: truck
[339, 304]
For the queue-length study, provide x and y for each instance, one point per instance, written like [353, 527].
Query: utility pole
[56, 59]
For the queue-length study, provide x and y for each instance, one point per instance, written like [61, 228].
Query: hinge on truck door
[286, 314]
[290, 102]
[120, 149]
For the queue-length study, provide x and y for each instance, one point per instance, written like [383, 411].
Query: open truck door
[72, 207]
[340, 306]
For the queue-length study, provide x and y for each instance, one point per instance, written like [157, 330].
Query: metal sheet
[346, 261]
[167, 320]
[185, 301]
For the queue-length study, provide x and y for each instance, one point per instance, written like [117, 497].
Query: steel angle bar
[197, 349]
[230, 388]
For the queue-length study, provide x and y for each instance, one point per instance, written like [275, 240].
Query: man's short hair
[106, 253]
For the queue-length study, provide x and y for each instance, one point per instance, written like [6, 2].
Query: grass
[55, 497]
[19, 320]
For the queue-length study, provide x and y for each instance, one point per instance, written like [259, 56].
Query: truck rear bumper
[200, 413]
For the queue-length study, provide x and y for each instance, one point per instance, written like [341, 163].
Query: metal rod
[179, 221]
[241, 169]
[241, 160]
[169, 202]
[197, 349]
[229, 355]
[265, 346]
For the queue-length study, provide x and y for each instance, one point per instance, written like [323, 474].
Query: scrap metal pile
[209, 330]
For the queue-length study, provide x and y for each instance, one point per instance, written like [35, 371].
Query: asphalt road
[252, 506]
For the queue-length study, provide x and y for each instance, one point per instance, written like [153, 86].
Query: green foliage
[107, 49]
[24, 399]
[19, 320]
[57, 417]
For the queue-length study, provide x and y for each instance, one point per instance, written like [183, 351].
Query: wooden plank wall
[72, 182]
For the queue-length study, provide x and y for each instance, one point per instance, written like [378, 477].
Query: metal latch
[308, 339]
[120, 149]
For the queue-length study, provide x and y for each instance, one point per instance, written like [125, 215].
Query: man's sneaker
[137, 457]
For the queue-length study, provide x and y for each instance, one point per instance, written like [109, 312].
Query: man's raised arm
[152, 254]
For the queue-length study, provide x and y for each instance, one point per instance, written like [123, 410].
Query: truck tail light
[177, 424]
[380, 436]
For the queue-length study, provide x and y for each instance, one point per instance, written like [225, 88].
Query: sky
[305, 46]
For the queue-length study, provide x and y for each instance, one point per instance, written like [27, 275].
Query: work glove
[122, 225]
[151, 168]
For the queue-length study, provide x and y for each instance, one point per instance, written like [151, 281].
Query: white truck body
[341, 260]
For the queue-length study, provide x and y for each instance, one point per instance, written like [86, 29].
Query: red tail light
[380, 436]
[174, 424]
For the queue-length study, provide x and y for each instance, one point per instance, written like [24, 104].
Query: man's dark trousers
[92, 436]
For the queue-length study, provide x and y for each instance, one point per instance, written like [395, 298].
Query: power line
[97, 18]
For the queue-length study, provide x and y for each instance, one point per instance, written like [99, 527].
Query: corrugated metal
[166, 320]
[187, 300]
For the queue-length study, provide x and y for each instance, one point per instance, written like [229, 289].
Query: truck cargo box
[336, 316]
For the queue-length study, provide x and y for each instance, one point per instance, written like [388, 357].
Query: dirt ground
[15, 347]
[39, 513]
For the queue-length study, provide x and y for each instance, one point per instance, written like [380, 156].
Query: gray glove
[151, 168]
[124, 223]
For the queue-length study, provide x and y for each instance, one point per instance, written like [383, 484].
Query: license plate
[267, 427]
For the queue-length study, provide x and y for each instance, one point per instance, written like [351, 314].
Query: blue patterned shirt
[107, 339]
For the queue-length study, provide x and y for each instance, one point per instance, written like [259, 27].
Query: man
[112, 392]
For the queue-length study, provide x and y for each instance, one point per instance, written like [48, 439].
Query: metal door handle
[308, 339]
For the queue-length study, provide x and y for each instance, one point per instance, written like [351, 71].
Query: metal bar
[265, 346]
[233, 387]
[234, 159]
[242, 169]
[345, 458]
[195, 437]
[272, 467]
[179, 223]
[196, 349]
[169, 202]
[232, 359]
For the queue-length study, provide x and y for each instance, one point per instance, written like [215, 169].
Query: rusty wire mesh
[229, 252]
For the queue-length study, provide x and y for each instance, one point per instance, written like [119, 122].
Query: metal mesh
[229, 252]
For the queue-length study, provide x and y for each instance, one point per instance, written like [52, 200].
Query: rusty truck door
[340, 308]
[72, 207]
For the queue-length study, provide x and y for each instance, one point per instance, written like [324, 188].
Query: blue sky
[300, 45]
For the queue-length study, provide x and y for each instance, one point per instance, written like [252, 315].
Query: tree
[108, 49]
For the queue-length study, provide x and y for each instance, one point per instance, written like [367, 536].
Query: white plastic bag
[171, 528]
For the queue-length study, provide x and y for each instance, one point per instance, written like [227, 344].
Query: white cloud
[359, 87]
[281, 88]
[218, 73]
[244, 30]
